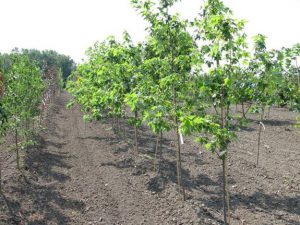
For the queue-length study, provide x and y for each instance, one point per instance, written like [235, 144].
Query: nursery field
[84, 173]
[195, 124]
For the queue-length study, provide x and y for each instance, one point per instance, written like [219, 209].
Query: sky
[71, 26]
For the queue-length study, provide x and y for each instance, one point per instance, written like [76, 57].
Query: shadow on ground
[34, 196]
[165, 173]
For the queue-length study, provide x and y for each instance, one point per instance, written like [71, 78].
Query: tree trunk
[249, 107]
[156, 164]
[224, 122]
[216, 110]
[40, 117]
[269, 111]
[179, 169]
[158, 151]
[125, 124]
[118, 125]
[17, 149]
[136, 131]
[243, 110]
[160, 143]
[259, 136]
[225, 191]
[113, 123]
[27, 133]
[258, 144]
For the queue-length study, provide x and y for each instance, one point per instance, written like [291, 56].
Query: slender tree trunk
[113, 123]
[249, 107]
[259, 135]
[85, 123]
[125, 125]
[258, 144]
[27, 129]
[243, 110]
[136, 131]
[215, 108]
[158, 151]
[118, 125]
[33, 128]
[17, 148]
[269, 111]
[40, 117]
[226, 200]
[226, 121]
[160, 143]
[179, 168]
[156, 164]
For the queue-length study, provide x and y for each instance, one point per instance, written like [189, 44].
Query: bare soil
[84, 173]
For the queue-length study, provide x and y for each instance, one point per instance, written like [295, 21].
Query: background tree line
[45, 60]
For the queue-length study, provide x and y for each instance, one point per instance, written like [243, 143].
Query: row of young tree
[45, 60]
[26, 87]
[183, 71]
[22, 87]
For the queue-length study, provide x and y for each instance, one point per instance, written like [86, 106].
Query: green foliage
[174, 79]
[103, 86]
[223, 48]
[70, 104]
[23, 91]
[44, 60]
[23, 88]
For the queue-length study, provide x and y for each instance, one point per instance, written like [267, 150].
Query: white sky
[71, 26]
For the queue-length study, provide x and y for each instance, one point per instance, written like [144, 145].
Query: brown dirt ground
[83, 173]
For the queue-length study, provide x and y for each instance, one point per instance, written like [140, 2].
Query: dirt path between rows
[83, 173]
[75, 176]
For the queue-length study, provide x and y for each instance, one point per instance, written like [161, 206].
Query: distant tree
[5, 62]
[48, 59]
